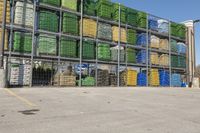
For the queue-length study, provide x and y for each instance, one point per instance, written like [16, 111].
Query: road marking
[27, 102]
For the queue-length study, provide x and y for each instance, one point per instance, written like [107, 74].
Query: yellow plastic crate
[131, 78]
[154, 57]
[115, 32]
[154, 42]
[164, 60]
[154, 79]
[6, 39]
[7, 11]
[89, 28]
[164, 44]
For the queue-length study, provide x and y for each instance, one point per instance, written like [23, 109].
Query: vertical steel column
[81, 44]
[147, 50]
[33, 41]
[170, 67]
[119, 43]
[3, 34]
[59, 38]
[96, 61]
[126, 50]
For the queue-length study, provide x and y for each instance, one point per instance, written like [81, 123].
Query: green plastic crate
[51, 2]
[181, 62]
[181, 31]
[131, 55]
[22, 42]
[48, 21]
[89, 7]
[104, 31]
[114, 54]
[174, 29]
[174, 46]
[141, 19]
[131, 17]
[104, 52]
[70, 24]
[88, 50]
[88, 81]
[116, 13]
[104, 9]
[131, 36]
[68, 48]
[174, 61]
[70, 4]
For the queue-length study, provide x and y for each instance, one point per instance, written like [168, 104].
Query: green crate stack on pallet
[114, 53]
[89, 7]
[181, 31]
[131, 55]
[51, 2]
[181, 62]
[88, 81]
[70, 24]
[104, 31]
[68, 48]
[70, 4]
[174, 46]
[104, 52]
[22, 42]
[88, 50]
[104, 9]
[47, 45]
[174, 29]
[131, 36]
[174, 61]
[131, 16]
[115, 13]
[48, 21]
[141, 19]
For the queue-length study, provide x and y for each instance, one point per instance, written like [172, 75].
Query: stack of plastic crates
[164, 44]
[115, 32]
[104, 9]
[131, 17]
[88, 50]
[141, 19]
[163, 26]
[154, 43]
[48, 21]
[47, 45]
[174, 45]
[122, 78]
[154, 58]
[141, 79]
[174, 61]
[164, 60]
[89, 28]
[114, 53]
[24, 14]
[164, 78]
[89, 7]
[142, 39]
[70, 4]
[70, 24]
[131, 78]
[154, 79]
[104, 51]
[68, 47]
[6, 39]
[51, 2]
[153, 23]
[22, 42]
[113, 79]
[116, 13]
[141, 57]
[176, 80]
[131, 36]
[104, 31]
[181, 47]
[7, 11]
[174, 29]
[102, 77]
[181, 61]
[131, 55]
[88, 81]
[181, 31]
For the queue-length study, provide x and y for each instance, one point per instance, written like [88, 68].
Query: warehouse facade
[90, 43]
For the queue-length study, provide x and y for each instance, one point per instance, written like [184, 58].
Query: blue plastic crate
[181, 47]
[176, 80]
[163, 26]
[142, 39]
[141, 57]
[153, 24]
[164, 78]
[141, 79]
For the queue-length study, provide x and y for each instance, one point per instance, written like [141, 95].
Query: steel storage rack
[47, 66]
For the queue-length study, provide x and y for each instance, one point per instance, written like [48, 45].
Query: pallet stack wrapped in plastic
[88, 81]
[131, 36]
[70, 24]
[113, 79]
[154, 58]
[131, 16]
[173, 45]
[6, 39]
[153, 23]
[24, 14]
[102, 77]
[22, 42]
[164, 44]
[154, 77]
[47, 45]
[104, 9]
[163, 26]
[164, 78]
[114, 53]
[174, 61]
[88, 50]
[181, 47]
[176, 80]
[141, 19]
[89, 7]
[115, 33]
[130, 55]
[70, 4]
[164, 60]
[115, 13]
[142, 39]
[141, 56]
[131, 78]
[104, 52]
[48, 21]
[155, 41]
[104, 31]
[181, 61]
[51, 2]
[68, 47]
[89, 28]
[141, 79]
[7, 11]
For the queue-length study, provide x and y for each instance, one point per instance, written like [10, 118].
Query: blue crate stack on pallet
[141, 79]
[164, 78]
[142, 39]
[163, 26]
[153, 23]
[181, 47]
[176, 80]
[141, 57]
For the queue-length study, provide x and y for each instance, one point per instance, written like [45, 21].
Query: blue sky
[175, 10]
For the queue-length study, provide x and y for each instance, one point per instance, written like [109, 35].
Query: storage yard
[91, 43]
